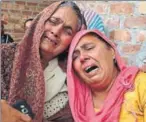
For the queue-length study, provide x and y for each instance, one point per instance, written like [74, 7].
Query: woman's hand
[9, 114]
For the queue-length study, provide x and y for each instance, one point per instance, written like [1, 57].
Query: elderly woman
[101, 87]
[30, 69]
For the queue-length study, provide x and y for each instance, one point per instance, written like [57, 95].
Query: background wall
[18, 11]
[126, 25]
[125, 22]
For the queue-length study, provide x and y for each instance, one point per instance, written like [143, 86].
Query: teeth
[87, 69]
[53, 42]
[91, 68]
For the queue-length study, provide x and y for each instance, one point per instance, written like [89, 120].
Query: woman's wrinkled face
[93, 61]
[59, 31]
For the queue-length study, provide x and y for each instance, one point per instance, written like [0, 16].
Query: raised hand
[9, 114]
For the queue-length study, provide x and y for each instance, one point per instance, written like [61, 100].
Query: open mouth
[91, 68]
[52, 41]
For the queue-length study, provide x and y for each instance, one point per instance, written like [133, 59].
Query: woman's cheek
[46, 47]
[67, 41]
[77, 66]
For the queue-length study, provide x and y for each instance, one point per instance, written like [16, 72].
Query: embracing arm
[7, 57]
[8, 113]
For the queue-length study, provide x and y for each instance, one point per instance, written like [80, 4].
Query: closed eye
[54, 21]
[75, 55]
[88, 47]
[68, 30]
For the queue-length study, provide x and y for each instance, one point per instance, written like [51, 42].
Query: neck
[44, 63]
[100, 96]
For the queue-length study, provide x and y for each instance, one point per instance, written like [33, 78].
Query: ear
[113, 53]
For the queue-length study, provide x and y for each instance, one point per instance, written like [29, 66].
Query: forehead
[67, 15]
[88, 39]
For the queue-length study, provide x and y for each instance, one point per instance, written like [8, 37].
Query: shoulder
[140, 80]
[8, 51]
[134, 99]
[138, 94]
[8, 47]
[7, 57]
[140, 86]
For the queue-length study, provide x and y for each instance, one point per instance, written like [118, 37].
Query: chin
[96, 85]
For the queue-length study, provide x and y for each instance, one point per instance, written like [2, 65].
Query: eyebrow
[66, 26]
[84, 45]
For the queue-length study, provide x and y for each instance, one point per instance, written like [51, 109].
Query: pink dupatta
[80, 95]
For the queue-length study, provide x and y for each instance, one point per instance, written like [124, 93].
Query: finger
[20, 117]
[25, 118]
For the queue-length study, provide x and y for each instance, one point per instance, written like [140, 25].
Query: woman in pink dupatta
[101, 87]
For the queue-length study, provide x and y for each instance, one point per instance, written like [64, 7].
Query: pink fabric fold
[80, 98]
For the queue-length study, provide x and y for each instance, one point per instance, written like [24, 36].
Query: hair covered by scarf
[80, 97]
[93, 20]
[27, 73]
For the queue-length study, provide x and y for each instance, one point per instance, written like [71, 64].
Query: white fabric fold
[54, 80]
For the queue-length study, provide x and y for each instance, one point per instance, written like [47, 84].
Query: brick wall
[18, 11]
[125, 21]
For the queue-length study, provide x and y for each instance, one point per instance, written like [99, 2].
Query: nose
[83, 58]
[56, 31]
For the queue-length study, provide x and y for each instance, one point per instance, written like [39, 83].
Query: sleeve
[142, 92]
[145, 112]
[62, 116]
[145, 101]
[7, 56]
